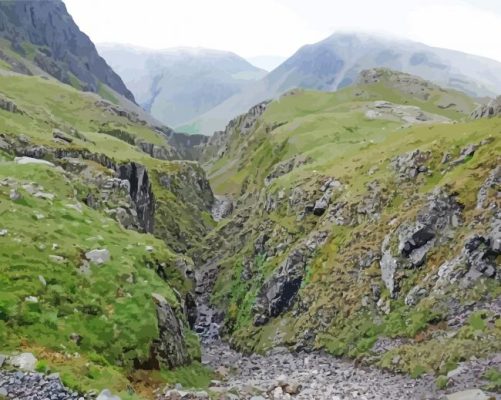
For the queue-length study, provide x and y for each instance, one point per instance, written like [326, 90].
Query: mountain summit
[336, 61]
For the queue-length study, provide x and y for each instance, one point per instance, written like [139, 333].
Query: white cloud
[279, 27]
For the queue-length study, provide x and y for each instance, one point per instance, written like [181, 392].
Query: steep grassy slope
[91, 322]
[95, 126]
[363, 225]
[111, 188]
[325, 125]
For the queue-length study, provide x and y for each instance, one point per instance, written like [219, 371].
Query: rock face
[190, 184]
[218, 143]
[140, 192]
[278, 293]
[489, 110]
[285, 167]
[434, 224]
[169, 350]
[63, 48]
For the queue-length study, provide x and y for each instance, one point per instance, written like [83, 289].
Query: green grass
[493, 376]
[105, 93]
[331, 129]
[110, 308]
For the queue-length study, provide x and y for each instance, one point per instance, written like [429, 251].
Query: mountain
[44, 33]
[316, 228]
[267, 63]
[178, 85]
[365, 223]
[336, 61]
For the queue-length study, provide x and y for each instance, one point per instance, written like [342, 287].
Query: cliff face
[44, 32]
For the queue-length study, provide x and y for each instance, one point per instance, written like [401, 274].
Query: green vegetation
[105, 93]
[334, 134]
[56, 304]
[493, 375]
[93, 324]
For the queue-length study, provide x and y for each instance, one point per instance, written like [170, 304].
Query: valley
[339, 239]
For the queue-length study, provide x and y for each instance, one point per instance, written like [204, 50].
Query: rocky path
[282, 375]
[315, 376]
[34, 386]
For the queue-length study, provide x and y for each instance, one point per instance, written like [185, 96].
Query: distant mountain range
[200, 90]
[336, 61]
[178, 85]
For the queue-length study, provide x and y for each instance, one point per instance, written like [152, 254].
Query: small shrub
[441, 382]
[417, 371]
[42, 366]
[493, 375]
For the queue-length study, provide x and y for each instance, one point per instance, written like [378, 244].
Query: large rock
[169, 350]
[434, 225]
[98, 256]
[24, 361]
[489, 110]
[279, 291]
[410, 164]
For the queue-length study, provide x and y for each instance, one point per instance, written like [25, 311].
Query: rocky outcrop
[434, 225]
[285, 167]
[493, 182]
[277, 293]
[218, 143]
[61, 48]
[477, 259]
[8, 105]
[156, 151]
[189, 183]
[169, 350]
[410, 164]
[140, 192]
[489, 110]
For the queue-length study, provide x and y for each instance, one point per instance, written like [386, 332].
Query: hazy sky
[280, 27]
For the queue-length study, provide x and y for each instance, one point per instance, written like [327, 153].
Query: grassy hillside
[89, 322]
[95, 324]
[377, 167]
[325, 126]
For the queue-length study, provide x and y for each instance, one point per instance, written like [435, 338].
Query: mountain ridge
[60, 46]
[177, 84]
[339, 58]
